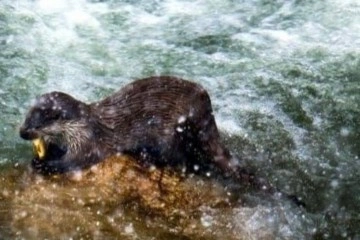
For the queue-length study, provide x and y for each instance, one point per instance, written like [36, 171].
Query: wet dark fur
[160, 120]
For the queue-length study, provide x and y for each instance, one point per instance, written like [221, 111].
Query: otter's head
[57, 124]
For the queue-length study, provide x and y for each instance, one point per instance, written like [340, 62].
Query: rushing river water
[284, 78]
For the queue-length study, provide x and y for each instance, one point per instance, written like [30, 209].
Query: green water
[283, 76]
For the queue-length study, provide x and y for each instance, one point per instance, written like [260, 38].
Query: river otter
[165, 121]
[162, 121]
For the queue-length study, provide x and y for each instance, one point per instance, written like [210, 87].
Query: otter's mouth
[46, 150]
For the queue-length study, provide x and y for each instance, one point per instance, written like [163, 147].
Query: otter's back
[156, 100]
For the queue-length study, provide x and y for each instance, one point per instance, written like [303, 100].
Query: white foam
[147, 19]
[80, 17]
[51, 7]
[174, 7]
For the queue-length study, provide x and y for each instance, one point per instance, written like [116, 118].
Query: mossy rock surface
[117, 199]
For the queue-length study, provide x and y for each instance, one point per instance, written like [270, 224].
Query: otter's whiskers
[76, 135]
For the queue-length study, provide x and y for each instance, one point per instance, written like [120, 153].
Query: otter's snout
[28, 134]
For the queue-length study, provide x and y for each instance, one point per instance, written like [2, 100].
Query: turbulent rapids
[283, 77]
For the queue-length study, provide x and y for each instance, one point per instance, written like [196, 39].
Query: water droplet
[129, 229]
[344, 132]
[152, 168]
[23, 214]
[334, 183]
[179, 129]
[76, 176]
[181, 119]
[206, 220]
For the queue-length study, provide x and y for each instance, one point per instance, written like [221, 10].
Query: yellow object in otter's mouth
[39, 147]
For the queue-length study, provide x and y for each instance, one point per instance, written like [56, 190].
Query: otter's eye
[55, 115]
[51, 116]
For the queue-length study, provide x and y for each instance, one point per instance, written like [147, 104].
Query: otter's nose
[27, 134]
